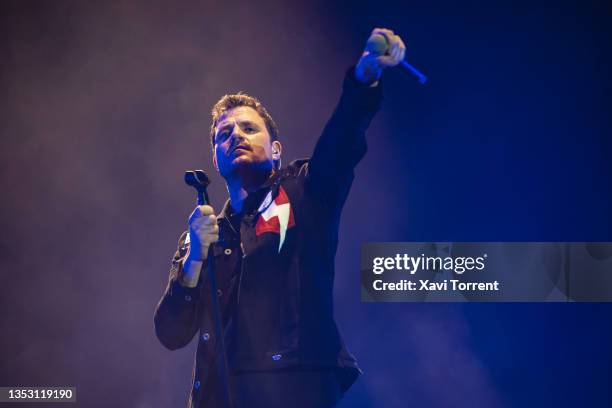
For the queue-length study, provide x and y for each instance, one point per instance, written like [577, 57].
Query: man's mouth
[239, 148]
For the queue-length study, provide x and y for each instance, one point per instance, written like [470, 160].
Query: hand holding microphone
[203, 232]
[383, 49]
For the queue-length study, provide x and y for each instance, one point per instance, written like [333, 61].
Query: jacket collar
[257, 195]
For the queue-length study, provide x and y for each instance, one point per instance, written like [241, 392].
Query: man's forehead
[240, 114]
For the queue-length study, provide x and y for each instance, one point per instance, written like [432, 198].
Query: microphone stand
[198, 180]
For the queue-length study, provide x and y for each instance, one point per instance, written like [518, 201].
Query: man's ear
[277, 150]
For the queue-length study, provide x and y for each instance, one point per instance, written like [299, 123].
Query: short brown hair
[232, 101]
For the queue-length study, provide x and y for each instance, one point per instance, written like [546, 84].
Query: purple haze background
[105, 104]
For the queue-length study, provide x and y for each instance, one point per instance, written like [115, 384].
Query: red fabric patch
[272, 213]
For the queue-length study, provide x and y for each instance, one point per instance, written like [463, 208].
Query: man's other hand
[379, 55]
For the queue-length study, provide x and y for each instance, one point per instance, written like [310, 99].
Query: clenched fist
[203, 231]
[384, 49]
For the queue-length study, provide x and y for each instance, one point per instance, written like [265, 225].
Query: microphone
[200, 181]
[377, 45]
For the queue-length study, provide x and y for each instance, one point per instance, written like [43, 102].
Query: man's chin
[242, 161]
[245, 165]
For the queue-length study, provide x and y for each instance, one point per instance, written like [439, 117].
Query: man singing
[274, 245]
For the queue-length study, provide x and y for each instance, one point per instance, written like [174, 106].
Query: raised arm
[342, 144]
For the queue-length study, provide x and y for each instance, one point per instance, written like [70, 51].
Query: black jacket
[276, 278]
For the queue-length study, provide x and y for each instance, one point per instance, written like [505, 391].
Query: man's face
[242, 140]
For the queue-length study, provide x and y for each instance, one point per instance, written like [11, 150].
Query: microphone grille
[377, 44]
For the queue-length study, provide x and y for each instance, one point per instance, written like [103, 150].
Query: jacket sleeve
[342, 143]
[177, 313]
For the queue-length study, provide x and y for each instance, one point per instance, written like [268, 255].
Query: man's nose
[237, 134]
